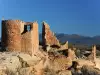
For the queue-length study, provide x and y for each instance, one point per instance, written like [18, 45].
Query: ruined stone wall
[26, 42]
[48, 37]
[11, 38]
[30, 40]
[35, 37]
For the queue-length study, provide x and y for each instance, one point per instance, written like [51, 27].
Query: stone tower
[20, 36]
[11, 37]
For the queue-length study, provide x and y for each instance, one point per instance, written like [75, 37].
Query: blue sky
[63, 16]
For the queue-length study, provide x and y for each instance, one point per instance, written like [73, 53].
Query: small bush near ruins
[70, 45]
[98, 53]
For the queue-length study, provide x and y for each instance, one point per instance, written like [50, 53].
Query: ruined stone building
[20, 36]
[24, 36]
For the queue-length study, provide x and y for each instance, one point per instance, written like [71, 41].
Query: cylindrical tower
[11, 35]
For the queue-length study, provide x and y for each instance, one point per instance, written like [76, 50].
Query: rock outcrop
[92, 56]
[14, 63]
[63, 47]
[71, 54]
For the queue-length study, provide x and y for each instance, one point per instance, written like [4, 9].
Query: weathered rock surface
[48, 37]
[14, 63]
[60, 63]
[71, 54]
[22, 64]
[65, 46]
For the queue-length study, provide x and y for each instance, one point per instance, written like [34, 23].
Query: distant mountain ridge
[76, 39]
